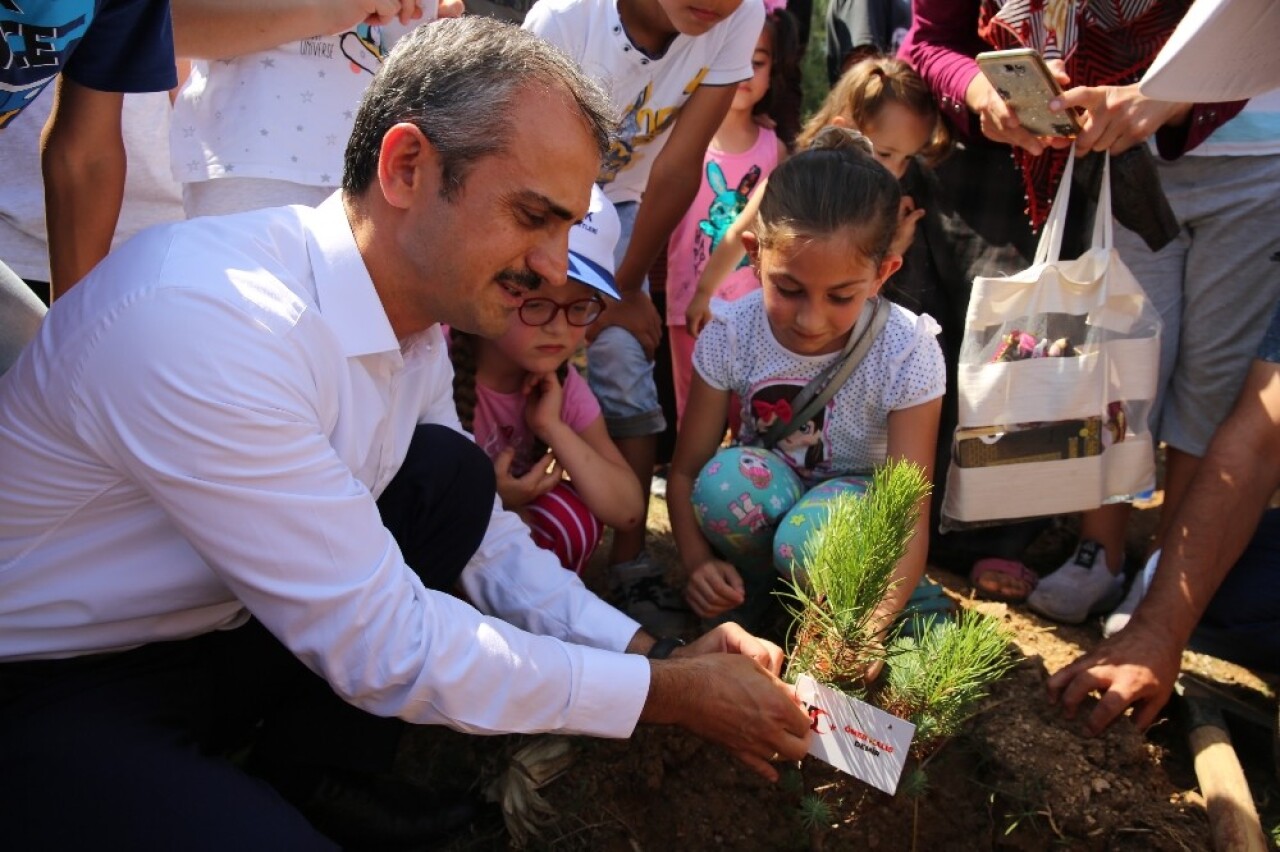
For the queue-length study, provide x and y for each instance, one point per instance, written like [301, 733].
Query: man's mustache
[527, 279]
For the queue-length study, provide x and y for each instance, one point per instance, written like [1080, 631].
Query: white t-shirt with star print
[648, 92]
[903, 368]
[283, 113]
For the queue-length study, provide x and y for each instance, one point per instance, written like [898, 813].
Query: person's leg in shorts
[1231, 208]
[621, 377]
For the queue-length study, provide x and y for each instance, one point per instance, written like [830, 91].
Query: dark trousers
[130, 750]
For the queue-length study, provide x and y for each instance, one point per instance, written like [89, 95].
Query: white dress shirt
[199, 433]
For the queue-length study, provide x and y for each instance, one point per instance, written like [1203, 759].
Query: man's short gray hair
[457, 81]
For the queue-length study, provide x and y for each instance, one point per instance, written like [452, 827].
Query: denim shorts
[619, 374]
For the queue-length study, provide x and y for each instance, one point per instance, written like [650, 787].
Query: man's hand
[730, 700]
[1136, 667]
[714, 587]
[517, 491]
[1117, 117]
[730, 638]
[638, 316]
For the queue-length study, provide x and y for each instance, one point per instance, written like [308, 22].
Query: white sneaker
[1119, 617]
[1082, 586]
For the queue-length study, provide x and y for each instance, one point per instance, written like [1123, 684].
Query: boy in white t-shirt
[671, 68]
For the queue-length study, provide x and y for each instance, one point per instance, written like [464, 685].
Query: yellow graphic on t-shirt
[640, 125]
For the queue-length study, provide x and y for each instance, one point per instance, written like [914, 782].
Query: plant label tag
[854, 737]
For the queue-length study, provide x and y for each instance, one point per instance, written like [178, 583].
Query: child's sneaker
[1081, 587]
[1119, 617]
[640, 590]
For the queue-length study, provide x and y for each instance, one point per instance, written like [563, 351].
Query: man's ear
[751, 243]
[406, 159]
[840, 121]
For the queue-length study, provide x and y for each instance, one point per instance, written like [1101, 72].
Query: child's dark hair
[782, 101]
[866, 88]
[833, 187]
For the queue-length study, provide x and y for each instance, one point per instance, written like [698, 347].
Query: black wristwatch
[663, 647]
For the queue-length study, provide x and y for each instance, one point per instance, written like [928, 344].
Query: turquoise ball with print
[739, 497]
[806, 519]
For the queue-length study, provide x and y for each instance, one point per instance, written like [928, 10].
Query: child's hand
[544, 397]
[518, 491]
[698, 314]
[714, 587]
[908, 216]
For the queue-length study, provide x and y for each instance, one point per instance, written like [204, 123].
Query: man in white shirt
[194, 453]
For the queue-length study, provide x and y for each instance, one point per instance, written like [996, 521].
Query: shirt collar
[345, 292]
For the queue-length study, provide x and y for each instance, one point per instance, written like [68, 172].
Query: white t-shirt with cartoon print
[647, 91]
[904, 367]
[283, 113]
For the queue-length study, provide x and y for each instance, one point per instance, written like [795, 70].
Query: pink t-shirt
[727, 182]
[499, 419]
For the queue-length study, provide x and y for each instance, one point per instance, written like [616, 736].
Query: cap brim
[592, 274]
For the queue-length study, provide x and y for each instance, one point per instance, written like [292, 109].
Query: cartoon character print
[727, 203]
[642, 122]
[804, 449]
[364, 48]
[755, 469]
[749, 513]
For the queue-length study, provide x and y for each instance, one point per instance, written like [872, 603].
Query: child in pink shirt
[534, 415]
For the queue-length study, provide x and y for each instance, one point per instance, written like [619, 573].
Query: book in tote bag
[1057, 375]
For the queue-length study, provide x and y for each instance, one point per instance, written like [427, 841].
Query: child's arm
[913, 436]
[726, 257]
[714, 585]
[595, 465]
[673, 183]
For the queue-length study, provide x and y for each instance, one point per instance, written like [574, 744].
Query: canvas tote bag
[1057, 373]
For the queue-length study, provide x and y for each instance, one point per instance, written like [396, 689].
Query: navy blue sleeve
[1270, 348]
[127, 48]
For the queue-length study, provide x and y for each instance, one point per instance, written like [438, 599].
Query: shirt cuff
[611, 692]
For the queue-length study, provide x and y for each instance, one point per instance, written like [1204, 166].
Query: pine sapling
[937, 680]
[846, 571]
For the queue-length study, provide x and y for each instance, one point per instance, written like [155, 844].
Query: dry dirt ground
[1022, 776]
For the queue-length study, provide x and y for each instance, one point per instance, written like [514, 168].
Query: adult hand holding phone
[1118, 117]
[1021, 77]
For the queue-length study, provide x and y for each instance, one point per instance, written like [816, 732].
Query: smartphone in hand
[1025, 83]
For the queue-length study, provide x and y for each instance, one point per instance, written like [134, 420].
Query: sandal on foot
[991, 579]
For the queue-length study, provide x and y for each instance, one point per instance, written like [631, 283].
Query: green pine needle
[937, 680]
[846, 571]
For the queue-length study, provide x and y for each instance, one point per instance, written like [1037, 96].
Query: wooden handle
[1233, 819]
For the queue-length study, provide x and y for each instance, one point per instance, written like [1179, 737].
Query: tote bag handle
[1049, 249]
